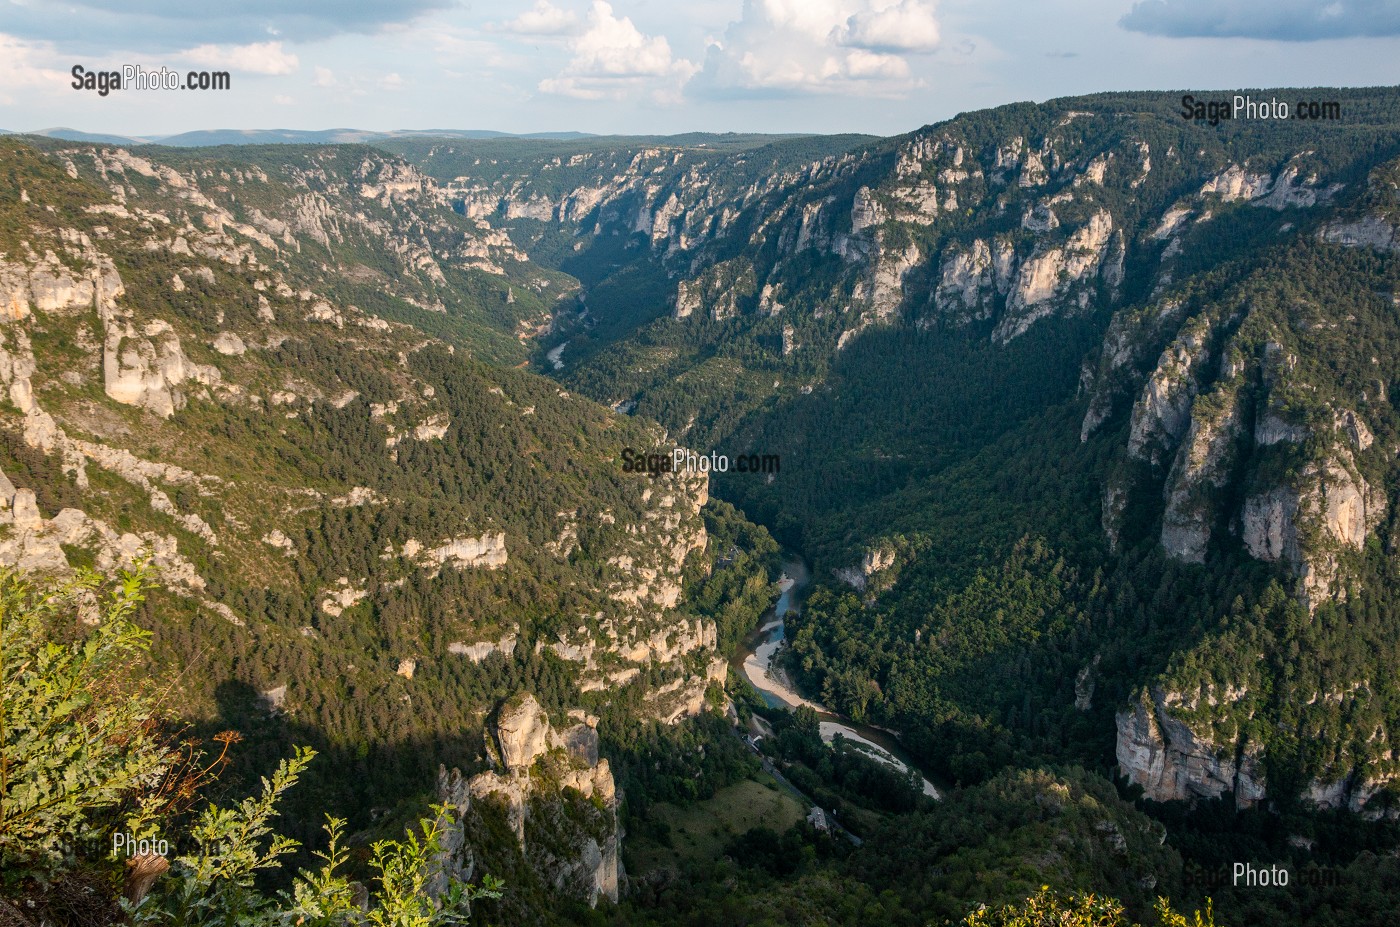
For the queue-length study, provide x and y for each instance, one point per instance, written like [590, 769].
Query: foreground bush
[84, 756]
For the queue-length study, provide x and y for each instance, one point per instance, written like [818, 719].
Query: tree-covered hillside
[1086, 424]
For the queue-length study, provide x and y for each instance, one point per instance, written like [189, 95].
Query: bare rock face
[965, 288]
[488, 551]
[455, 859]
[720, 289]
[581, 742]
[522, 730]
[483, 649]
[1202, 466]
[229, 344]
[1040, 218]
[50, 286]
[1352, 792]
[1328, 508]
[1084, 684]
[1367, 232]
[876, 560]
[1235, 183]
[865, 211]
[35, 543]
[1271, 428]
[1051, 273]
[341, 596]
[1123, 346]
[688, 297]
[1171, 763]
[1289, 192]
[1114, 504]
[1163, 412]
[887, 286]
[544, 770]
[1270, 526]
[146, 368]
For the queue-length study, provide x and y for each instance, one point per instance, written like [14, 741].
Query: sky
[658, 66]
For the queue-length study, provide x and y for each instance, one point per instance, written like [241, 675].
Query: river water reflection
[756, 661]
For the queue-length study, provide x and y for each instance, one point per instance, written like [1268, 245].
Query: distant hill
[342, 136]
[205, 138]
[73, 135]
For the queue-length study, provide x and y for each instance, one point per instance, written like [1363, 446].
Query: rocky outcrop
[477, 652]
[488, 551]
[538, 771]
[1084, 684]
[1115, 375]
[34, 543]
[147, 367]
[1051, 273]
[229, 344]
[48, 285]
[965, 287]
[1327, 509]
[887, 283]
[1172, 763]
[876, 560]
[1201, 470]
[341, 596]
[1235, 183]
[142, 365]
[1190, 419]
[1354, 793]
[1163, 411]
[1040, 218]
[722, 290]
[1366, 232]
[522, 731]
[1289, 193]
[866, 211]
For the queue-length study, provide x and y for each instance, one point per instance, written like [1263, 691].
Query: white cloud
[266, 58]
[867, 65]
[908, 26]
[820, 46]
[612, 58]
[391, 81]
[283, 100]
[544, 18]
[325, 77]
[29, 67]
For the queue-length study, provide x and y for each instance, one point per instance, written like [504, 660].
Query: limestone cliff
[1052, 273]
[1244, 440]
[195, 374]
[1210, 419]
[1172, 763]
[539, 771]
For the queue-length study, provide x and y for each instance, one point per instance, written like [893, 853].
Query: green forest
[1170, 494]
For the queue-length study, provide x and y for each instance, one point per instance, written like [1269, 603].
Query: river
[755, 660]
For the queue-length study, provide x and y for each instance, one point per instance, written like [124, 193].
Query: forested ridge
[1085, 414]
